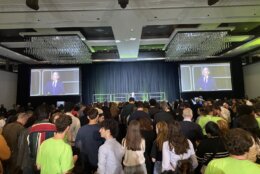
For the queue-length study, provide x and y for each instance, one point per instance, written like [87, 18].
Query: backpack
[184, 166]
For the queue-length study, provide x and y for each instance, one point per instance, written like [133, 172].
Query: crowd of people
[135, 137]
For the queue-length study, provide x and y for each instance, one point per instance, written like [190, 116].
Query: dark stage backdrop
[106, 78]
[124, 77]
[130, 77]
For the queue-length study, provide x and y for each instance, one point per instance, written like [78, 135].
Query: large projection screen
[54, 82]
[205, 77]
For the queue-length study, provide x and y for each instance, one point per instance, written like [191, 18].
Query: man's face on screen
[205, 72]
[55, 76]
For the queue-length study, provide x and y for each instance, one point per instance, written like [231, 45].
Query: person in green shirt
[207, 118]
[55, 156]
[257, 113]
[238, 143]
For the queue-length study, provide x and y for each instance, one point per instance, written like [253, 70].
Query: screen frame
[56, 67]
[204, 63]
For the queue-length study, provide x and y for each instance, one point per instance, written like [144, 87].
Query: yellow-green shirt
[205, 119]
[258, 121]
[231, 165]
[55, 157]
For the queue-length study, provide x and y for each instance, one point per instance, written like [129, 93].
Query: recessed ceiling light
[118, 41]
[83, 38]
[132, 29]
[132, 38]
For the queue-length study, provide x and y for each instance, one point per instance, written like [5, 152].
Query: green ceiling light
[244, 48]
[153, 46]
[241, 38]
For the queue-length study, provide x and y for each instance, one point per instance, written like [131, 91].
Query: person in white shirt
[111, 153]
[177, 148]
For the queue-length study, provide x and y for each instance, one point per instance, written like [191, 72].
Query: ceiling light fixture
[196, 45]
[123, 3]
[61, 49]
[33, 4]
[212, 2]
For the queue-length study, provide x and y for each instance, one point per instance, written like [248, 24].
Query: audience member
[138, 113]
[211, 147]
[191, 130]
[156, 152]
[207, 118]
[5, 152]
[11, 133]
[75, 125]
[153, 108]
[88, 140]
[55, 155]
[127, 110]
[177, 148]
[237, 142]
[40, 131]
[249, 123]
[164, 115]
[257, 113]
[148, 134]
[3, 110]
[134, 145]
[111, 153]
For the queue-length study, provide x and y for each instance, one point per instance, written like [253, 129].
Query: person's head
[62, 123]
[133, 136]
[208, 110]
[55, 116]
[238, 141]
[212, 129]
[93, 114]
[109, 128]
[69, 106]
[140, 105]
[201, 111]
[131, 100]
[101, 116]
[55, 76]
[164, 105]
[187, 113]
[42, 112]
[244, 110]
[216, 110]
[2, 105]
[162, 133]
[176, 139]
[145, 123]
[22, 118]
[250, 124]
[205, 72]
[152, 102]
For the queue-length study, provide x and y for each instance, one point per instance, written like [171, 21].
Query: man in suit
[54, 87]
[206, 82]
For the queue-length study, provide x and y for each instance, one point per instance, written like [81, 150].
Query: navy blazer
[49, 89]
[201, 85]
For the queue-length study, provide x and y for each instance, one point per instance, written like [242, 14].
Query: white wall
[8, 88]
[252, 80]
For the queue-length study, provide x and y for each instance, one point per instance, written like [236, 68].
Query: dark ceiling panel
[162, 31]
[93, 33]
[12, 35]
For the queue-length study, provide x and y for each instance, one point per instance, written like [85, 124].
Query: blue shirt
[88, 140]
